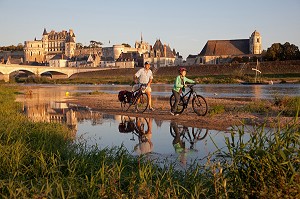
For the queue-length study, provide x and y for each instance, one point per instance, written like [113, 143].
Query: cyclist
[179, 87]
[145, 76]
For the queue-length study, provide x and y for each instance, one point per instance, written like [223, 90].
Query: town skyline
[184, 26]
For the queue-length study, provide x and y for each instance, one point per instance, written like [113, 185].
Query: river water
[163, 138]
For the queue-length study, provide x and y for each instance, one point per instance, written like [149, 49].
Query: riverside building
[51, 44]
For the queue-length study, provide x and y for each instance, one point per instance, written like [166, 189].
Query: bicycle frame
[137, 93]
[186, 97]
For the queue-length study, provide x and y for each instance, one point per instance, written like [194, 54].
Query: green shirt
[179, 84]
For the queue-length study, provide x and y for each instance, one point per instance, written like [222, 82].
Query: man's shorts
[148, 89]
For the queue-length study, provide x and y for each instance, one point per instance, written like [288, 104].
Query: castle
[51, 44]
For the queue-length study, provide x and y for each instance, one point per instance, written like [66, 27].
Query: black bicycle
[199, 103]
[137, 98]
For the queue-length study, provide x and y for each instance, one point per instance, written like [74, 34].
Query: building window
[257, 40]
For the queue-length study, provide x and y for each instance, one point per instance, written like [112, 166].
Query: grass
[40, 160]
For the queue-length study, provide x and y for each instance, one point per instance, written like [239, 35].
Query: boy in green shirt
[179, 87]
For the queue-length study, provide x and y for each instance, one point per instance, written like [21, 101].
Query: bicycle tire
[180, 106]
[141, 103]
[200, 135]
[199, 105]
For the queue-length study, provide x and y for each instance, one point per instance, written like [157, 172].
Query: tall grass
[39, 160]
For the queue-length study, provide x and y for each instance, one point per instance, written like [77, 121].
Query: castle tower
[70, 44]
[45, 41]
[255, 43]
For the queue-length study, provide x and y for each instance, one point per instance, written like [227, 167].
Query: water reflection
[140, 128]
[158, 139]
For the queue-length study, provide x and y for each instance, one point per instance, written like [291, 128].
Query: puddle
[160, 139]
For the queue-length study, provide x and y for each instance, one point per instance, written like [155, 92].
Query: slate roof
[159, 46]
[225, 47]
[60, 56]
[70, 39]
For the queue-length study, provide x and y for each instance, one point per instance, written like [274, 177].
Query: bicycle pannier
[125, 96]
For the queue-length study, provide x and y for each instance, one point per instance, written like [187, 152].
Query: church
[220, 51]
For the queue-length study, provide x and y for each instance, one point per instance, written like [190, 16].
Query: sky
[185, 26]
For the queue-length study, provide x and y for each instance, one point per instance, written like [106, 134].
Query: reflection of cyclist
[145, 144]
[179, 86]
[178, 144]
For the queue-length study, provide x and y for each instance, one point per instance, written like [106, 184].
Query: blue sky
[184, 25]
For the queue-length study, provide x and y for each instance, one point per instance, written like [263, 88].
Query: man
[145, 76]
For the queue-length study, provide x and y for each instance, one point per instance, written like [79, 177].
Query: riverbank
[40, 160]
[223, 113]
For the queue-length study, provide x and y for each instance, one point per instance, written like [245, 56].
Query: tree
[95, 44]
[290, 51]
[126, 45]
[281, 52]
[79, 45]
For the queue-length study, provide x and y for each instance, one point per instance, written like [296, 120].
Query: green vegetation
[39, 160]
[19, 47]
[216, 109]
[282, 52]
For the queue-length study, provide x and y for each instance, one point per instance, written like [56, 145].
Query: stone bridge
[8, 69]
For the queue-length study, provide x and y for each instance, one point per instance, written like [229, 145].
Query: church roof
[225, 47]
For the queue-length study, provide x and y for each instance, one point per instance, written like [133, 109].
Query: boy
[179, 85]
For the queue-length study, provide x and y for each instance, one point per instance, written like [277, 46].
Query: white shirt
[144, 75]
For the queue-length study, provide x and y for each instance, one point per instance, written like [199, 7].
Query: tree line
[19, 47]
[281, 52]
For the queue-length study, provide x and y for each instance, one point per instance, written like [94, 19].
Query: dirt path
[220, 121]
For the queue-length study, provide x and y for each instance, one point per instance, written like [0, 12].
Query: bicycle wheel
[200, 135]
[199, 105]
[125, 106]
[141, 103]
[180, 106]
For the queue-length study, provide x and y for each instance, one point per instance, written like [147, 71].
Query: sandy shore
[232, 116]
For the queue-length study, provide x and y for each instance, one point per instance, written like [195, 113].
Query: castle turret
[255, 43]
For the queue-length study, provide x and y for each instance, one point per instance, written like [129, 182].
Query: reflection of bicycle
[138, 127]
[138, 98]
[183, 133]
[199, 103]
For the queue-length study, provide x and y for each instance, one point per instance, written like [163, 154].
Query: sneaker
[151, 109]
[175, 114]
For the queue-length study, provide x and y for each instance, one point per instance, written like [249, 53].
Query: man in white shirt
[145, 76]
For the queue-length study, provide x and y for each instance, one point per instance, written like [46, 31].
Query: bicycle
[199, 103]
[137, 97]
